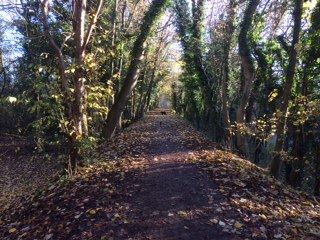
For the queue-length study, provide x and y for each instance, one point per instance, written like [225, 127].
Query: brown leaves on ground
[261, 207]
[165, 179]
[78, 208]
[21, 171]
[81, 207]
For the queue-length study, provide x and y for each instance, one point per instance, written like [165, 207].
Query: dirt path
[161, 179]
[173, 198]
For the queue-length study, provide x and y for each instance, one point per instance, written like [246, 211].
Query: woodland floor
[161, 179]
[22, 172]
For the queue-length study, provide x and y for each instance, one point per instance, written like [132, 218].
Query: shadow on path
[173, 198]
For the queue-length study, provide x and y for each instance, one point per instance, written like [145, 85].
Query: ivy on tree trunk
[130, 81]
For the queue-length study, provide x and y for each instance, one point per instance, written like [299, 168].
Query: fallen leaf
[48, 236]
[238, 225]
[213, 220]
[92, 212]
[222, 224]
[263, 217]
[183, 214]
[277, 236]
[12, 230]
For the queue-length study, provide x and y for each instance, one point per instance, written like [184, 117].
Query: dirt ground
[22, 172]
[161, 179]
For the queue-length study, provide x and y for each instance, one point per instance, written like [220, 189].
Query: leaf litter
[168, 183]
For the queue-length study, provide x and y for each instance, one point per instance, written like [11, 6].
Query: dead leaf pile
[237, 198]
[85, 202]
[257, 205]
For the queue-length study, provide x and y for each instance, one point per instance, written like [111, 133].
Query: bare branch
[62, 65]
[92, 26]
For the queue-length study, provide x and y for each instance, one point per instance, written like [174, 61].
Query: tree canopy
[74, 74]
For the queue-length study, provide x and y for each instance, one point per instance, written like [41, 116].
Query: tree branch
[283, 43]
[62, 65]
[92, 26]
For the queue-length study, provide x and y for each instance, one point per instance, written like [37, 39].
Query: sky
[10, 38]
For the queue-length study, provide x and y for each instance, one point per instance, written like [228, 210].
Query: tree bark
[130, 81]
[248, 70]
[191, 38]
[146, 100]
[114, 38]
[225, 74]
[290, 73]
[317, 174]
[79, 76]
[198, 18]
[5, 77]
[302, 140]
[143, 94]
[59, 55]
[149, 91]
[298, 154]
[77, 107]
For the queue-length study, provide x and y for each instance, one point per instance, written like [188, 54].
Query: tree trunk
[225, 75]
[143, 94]
[79, 76]
[317, 170]
[301, 139]
[5, 77]
[146, 104]
[265, 78]
[143, 103]
[78, 114]
[191, 39]
[113, 38]
[298, 154]
[59, 56]
[290, 73]
[133, 104]
[148, 95]
[197, 44]
[130, 81]
[76, 108]
[225, 106]
[248, 70]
